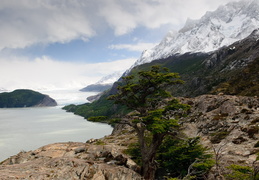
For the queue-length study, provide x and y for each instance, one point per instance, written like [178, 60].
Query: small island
[25, 98]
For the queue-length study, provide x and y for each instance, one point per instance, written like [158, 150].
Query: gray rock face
[70, 161]
[47, 101]
[228, 124]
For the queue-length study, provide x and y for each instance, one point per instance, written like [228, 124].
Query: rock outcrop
[227, 124]
[97, 159]
[69, 161]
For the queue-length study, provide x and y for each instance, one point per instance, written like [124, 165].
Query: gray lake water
[24, 129]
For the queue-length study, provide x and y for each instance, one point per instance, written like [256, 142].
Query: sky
[65, 44]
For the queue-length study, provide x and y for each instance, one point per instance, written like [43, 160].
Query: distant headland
[25, 98]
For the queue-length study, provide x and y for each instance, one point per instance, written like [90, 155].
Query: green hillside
[20, 98]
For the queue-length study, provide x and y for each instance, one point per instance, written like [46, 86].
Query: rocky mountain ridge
[228, 123]
[226, 25]
[215, 72]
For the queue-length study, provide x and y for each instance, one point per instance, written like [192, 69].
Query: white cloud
[27, 22]
[125, 15]
[118, 17]
[45, 73]
[133, 47]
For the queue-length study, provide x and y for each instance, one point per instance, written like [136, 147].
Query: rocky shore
[226, 124]
[99, 159]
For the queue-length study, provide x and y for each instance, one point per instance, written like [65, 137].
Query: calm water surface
[30, 128]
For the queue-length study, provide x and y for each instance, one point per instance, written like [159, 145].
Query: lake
[24, 129]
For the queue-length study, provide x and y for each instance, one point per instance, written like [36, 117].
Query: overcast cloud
[28, 23]
[46, 73]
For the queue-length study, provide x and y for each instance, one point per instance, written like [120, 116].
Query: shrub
[97, 119]
[100, 142]
[239, 172]
[175, 156]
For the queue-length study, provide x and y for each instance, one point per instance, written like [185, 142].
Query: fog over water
[24, 129]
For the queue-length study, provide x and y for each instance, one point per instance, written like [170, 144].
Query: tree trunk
[149, 166]
[149, 169]
[148, 152]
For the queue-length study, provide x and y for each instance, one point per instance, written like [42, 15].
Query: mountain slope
[226, 25]
[206, 73]
[199, 53]
[203, 73]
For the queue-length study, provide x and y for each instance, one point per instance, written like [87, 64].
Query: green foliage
[148, 92]
[102, 107]
[98, 119]
[100, 142]
[20, 98]
[239, 172]
[70, 108]
[175, 156]
[154, 116]
[114, 121]
[157, 122]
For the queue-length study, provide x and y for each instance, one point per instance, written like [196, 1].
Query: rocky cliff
[227, 124]
[46, 101]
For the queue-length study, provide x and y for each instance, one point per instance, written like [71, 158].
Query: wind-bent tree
[154, 114]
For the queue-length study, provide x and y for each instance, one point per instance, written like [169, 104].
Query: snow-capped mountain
[226, 25]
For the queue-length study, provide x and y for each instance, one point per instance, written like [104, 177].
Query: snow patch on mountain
[226, 25]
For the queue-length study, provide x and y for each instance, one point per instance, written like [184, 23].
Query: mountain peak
[224, 26]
